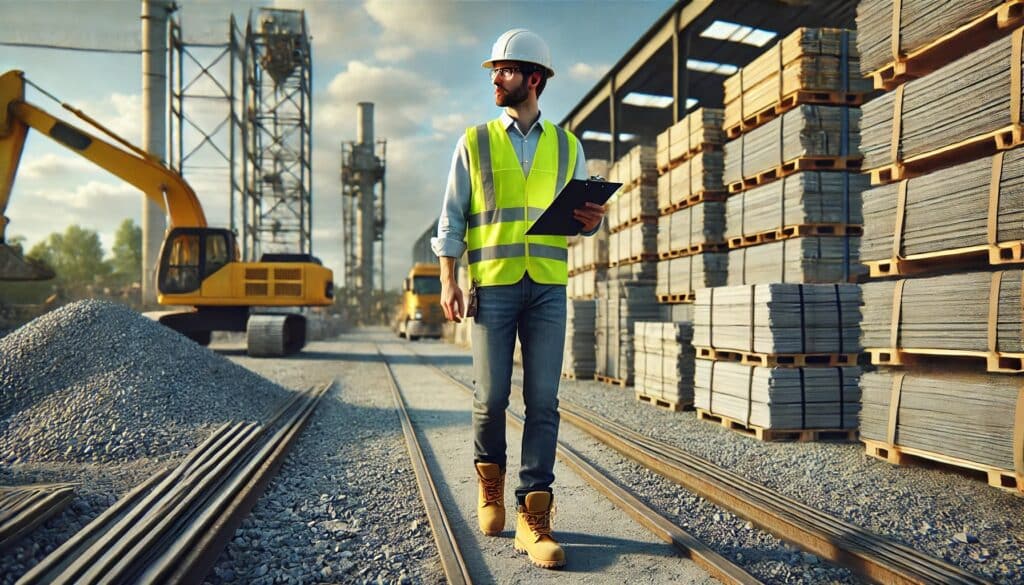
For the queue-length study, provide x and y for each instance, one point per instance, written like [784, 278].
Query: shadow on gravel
[424, 419]
[591, 552]
[437, 360]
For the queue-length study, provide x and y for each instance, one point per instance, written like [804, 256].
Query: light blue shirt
[451, 226]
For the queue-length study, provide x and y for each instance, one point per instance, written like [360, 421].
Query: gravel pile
[96, 382]
[937, 511]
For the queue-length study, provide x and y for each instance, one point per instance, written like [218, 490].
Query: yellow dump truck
[419, 314]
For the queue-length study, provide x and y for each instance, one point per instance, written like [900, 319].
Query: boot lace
[493, 490]
[540, 522]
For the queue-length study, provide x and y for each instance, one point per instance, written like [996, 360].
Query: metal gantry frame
[261, 148]
[278, 105]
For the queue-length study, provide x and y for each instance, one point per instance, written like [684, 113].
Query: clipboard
[557, 219]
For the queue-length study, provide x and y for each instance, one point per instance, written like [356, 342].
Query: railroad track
[452, 559]
[875, 557]
[172, 527]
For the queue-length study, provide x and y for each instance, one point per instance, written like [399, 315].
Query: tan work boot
[491, 498]
[533, 532]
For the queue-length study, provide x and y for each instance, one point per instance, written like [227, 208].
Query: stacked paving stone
[627, 295]
[664, 363]
[794, 211]
[620, 305]
[578, 359]
[778, 356]
[781, 354]
[941, 222]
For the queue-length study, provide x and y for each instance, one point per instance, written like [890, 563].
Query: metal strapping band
[711, 316]
[842, 398]
[497, 252]
[901, 218]
[839, 318]
[897, 314]
[483, 140]
[803, 320]
[897, 125]
[894, 407]
[1018, 439]
[711, 387]
[993, 198]
[743, 91]
[1015, 74]
[782, 205]
[993, 311]
[803, 400]
[563, 159]
[844, 61]
[778, 47]
[549, 252]
[750, 395]
[751, 324]
[897, 16]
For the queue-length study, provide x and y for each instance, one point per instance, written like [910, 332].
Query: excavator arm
[159, 183]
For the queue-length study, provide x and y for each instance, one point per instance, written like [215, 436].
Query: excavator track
[275, 335]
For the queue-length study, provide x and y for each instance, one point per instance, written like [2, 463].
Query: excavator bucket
[14, 266]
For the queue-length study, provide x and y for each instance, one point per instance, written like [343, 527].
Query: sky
[417, 61]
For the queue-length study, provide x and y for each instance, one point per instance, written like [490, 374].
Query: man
[504, 174]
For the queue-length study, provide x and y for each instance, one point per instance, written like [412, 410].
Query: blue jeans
[537, 313]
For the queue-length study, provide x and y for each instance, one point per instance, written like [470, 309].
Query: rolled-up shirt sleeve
[451, 226]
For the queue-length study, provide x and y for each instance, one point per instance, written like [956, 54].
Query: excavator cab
[190, 254]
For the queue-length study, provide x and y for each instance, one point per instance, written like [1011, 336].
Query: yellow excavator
[199, 265]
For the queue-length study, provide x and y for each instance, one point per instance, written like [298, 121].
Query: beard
[512, 98]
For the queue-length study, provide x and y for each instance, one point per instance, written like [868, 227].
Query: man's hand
[590, 216]
[451, 301]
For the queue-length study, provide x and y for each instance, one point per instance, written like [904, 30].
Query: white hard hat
[520, 44]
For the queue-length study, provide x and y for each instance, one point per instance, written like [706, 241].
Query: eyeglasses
[505, 73]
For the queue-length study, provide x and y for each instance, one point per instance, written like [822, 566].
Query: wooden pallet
[804, 163]
[674, 299]
[694, 199]
[583, 297]
[967, 258]
[995, 361]
[666, 165]
[1005, 138]
[782, 360]
[613, 381]
[965, 39]
[1003, 479]
[633, 260]
[663, 403]
[571, 376]
[793, 231]
[634, 221]
[692, 250]
[762, 434]
[586, 268]
[787, 103]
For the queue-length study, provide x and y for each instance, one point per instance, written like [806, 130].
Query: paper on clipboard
[557, 219]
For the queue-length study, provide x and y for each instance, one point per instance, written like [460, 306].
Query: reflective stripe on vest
[504, 203]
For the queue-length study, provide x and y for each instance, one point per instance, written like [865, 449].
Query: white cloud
[588, 72]
[50, 166]
[395, 53]
[450, 123]
[418, 25]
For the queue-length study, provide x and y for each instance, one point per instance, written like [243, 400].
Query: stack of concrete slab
[588, 263]
[664, 363]
[620, 305]
[690, 195]
[794, 210]
[633, 244]
[944, 215]
[778, 356]
[578, 359]
[779, 398]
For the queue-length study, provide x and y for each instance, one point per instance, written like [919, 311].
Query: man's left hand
[590, 216]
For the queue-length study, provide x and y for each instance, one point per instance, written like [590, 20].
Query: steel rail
[452, 562]
[121, 543]
[875, 557]
[32, 512]
[196, 550]
[690, 547]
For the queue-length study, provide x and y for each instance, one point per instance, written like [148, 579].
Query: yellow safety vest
[503, 204]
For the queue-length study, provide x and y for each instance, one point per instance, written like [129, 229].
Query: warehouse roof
[712, 39]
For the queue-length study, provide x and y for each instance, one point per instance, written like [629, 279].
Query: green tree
[76, 256]
[126, 262]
